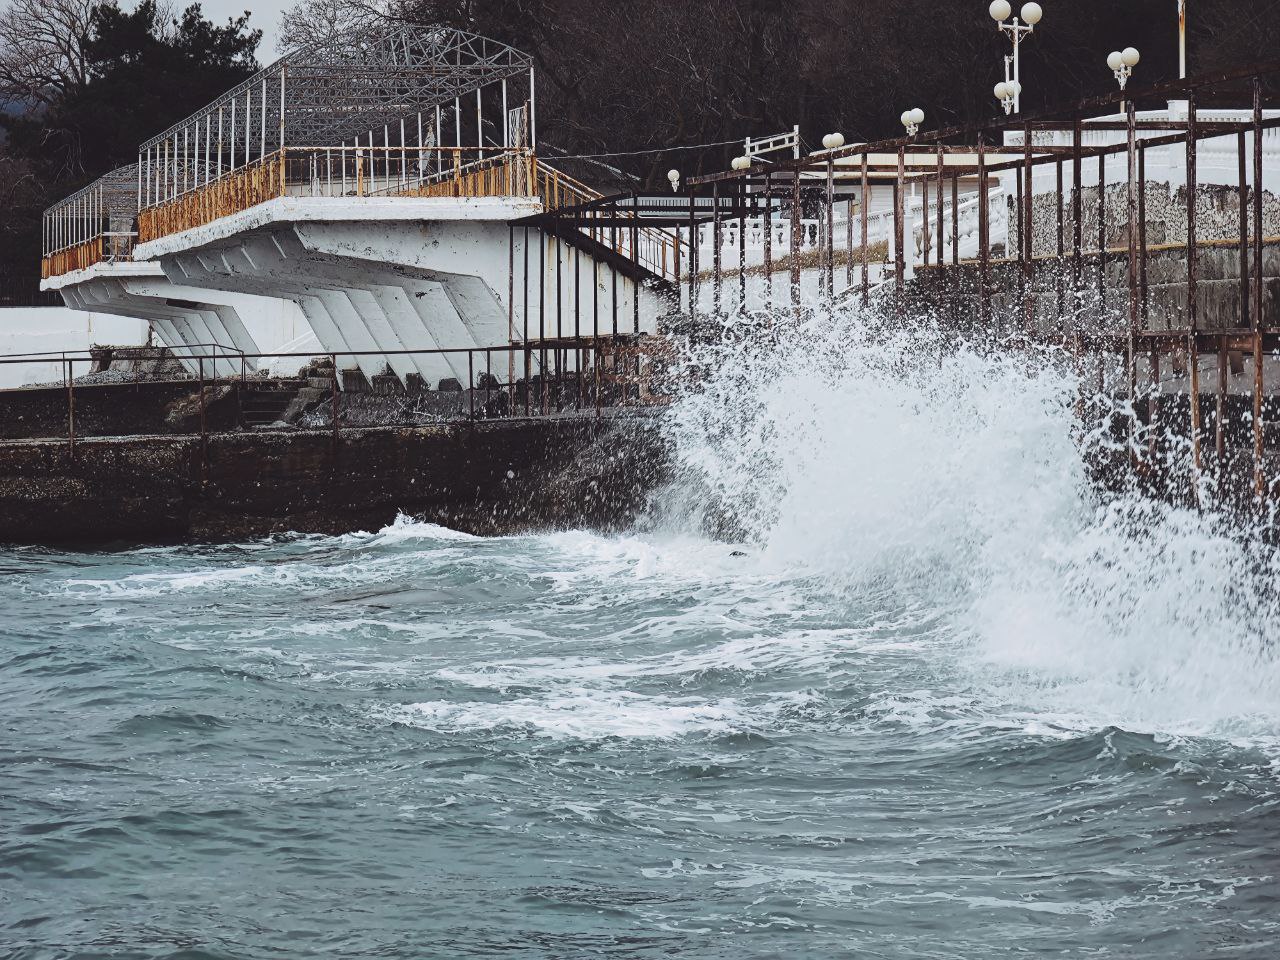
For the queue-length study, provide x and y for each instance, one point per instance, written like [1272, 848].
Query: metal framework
[406, 87]
[98, 222]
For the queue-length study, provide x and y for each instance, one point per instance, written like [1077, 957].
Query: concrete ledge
[487, 478]
[288, 210]
[114, 270]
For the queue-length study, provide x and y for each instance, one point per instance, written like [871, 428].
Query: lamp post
[1007, 93]
[1122, 63]
[1182, 39]
[1018, 30]
[911, 119]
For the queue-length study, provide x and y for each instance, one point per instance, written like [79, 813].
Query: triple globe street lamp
[1018, 28]
[1122, 63]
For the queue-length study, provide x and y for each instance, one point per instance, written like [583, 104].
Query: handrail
[657, 250]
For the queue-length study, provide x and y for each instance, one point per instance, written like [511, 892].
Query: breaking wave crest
[889, 462]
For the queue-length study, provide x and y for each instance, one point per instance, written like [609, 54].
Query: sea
[884, 675]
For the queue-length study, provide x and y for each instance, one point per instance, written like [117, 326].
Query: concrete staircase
[264, 404]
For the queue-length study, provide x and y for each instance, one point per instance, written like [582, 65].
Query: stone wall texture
[1217, 217]
[487, 478]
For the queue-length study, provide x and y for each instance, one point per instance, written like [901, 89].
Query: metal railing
[92, 225]
[342, 171]
[570, 376]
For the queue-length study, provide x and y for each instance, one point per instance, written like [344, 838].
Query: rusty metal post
[1028, 233]
[1259, 321]
[528, 352]
[984, 237]
[577, 321]
[1131, 357]
[333, 407]
[863, 216]
[1242, 158]
[1142, 236]
[471, 385]
[204, 431]
[1077, 212]
[557, 350]
[1062, 236]
[926, 223]
[768, 239]
[797, 240]
[1102, 229]
[899, 224]
[70, 373]
[829, 247]
[693, 269]
[542, 323]
[848, 260]
[955, 220]
[1061, 245]
[942, 207]
[1193, 322]
[511, 299]
[717, 241]
[1020, 219]
[742, 247]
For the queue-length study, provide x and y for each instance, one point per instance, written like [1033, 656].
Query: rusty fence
[571, 376]
[1139, 230]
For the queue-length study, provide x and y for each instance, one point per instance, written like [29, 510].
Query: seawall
[487, 477]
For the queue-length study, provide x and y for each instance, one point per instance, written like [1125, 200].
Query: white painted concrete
[377, 275]
[190, 320]
[58, 329]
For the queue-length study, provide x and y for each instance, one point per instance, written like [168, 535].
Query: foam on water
[884, 462]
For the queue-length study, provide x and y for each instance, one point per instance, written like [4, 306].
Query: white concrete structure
[379, 276]
[194, 323]
[55, 330]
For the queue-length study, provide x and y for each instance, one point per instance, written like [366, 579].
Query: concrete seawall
[494, 477]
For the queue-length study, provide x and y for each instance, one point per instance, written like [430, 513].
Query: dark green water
[415, 744]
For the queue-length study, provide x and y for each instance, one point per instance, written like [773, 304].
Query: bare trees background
[81, 81]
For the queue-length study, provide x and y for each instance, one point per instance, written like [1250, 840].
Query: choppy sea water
[935, 700]
[418, 744]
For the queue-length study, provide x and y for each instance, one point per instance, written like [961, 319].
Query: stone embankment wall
[1063, 303]
[114, 409]
[492, 477]
[1217, 217]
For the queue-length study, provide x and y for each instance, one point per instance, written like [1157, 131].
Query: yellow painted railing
[238, 190]
[345, 172]
[507, 175]
[78, 257]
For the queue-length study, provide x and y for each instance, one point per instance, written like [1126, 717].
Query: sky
[264, 16]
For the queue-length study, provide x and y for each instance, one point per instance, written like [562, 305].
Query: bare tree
[42, 50]
[314, 21]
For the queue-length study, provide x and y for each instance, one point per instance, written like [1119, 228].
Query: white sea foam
[579, 714]
[885, 464]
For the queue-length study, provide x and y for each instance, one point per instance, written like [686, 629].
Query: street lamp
[1122, 63]
[1018, 30]
[1007, 93]
[673, 177]
[741, 163]
[911, 119]
[833, 141]
[1182, 39]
